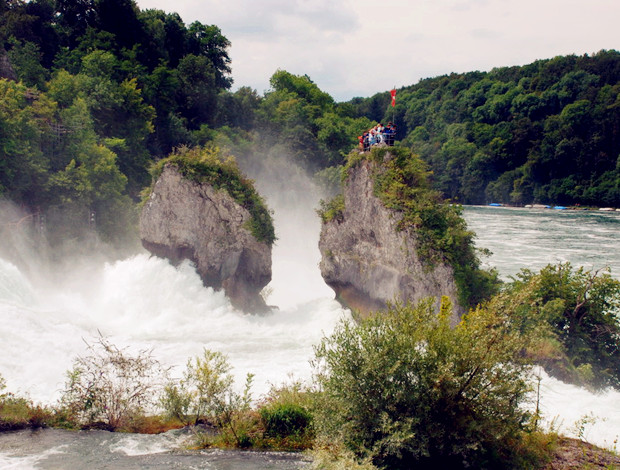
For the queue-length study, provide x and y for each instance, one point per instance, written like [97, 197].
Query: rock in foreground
[190, 219]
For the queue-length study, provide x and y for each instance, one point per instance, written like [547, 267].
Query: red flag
[393, 94]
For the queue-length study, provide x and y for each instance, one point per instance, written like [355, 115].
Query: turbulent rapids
[143, 302]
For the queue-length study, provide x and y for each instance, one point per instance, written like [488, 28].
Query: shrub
[407, 390]
[285, 419]
[331, 210]
[109, 387]
[329, 457]
[206, 394]
[577, 309]
[18, 412]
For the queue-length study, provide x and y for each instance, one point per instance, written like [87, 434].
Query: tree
[117, 112]
[409, 390]
[302, 87]
[208, 42]
[23, 123]
[238, 109]
[197, 80]
[26, 60]
[120, 18]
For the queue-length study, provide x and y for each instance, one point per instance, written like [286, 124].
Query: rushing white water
[142, 302]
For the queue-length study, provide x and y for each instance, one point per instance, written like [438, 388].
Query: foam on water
[576, 412]
[145, 444]
[143, 302]
[10, 461]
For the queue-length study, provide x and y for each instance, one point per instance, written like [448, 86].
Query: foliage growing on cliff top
[402, 183]
[208, 165]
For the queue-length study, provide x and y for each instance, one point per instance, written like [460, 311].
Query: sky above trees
[361, 47]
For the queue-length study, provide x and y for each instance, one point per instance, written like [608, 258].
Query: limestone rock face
[368, 261]
[184, 219]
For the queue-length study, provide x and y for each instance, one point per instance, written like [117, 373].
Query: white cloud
[360, 47]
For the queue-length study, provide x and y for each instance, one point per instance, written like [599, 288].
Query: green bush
[575, 308]
[206, 394]
[18, 412]
[409, 391]
[285, 419]
[331, 210]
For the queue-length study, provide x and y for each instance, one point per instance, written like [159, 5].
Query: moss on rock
[209, 165]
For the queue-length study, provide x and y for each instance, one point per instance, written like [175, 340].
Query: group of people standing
[377, 135]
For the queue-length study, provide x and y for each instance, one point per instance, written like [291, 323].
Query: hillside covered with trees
[94, 92]
[547, 132]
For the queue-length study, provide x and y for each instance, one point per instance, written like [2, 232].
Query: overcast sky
[360, 47]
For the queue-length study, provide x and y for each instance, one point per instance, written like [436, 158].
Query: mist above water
[142, 302]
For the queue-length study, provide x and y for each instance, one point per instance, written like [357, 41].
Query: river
[141, 302]
[532, 238]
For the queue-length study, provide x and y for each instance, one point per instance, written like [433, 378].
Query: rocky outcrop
[184, 219]
[6, 69]
[368, 261]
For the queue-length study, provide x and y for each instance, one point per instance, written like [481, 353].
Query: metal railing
[386, 138]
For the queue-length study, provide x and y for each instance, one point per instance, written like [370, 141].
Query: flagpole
[393, 119]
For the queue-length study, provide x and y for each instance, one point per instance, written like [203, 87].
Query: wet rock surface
[184, 219]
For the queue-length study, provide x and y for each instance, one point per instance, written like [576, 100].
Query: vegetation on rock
[575, 312]
[208, 165]
[402, 183]
[332, 209]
